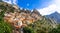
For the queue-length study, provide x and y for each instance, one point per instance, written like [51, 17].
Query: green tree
[55, 30]
[28, 30]
[5, 27]
[41, 26]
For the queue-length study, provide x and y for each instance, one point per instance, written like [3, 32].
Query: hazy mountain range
[55, 16]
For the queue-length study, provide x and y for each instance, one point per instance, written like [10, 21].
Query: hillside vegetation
[34, 22]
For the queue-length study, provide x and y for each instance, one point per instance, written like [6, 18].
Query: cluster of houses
[21, 17]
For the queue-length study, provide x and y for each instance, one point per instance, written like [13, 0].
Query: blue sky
[31, 4]
[45, 7]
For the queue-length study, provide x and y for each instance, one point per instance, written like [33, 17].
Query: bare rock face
[36, 12]
[13, 14]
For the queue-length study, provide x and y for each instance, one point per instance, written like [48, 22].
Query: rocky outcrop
[13, 14]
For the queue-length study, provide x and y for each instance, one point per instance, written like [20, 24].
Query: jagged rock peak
[36, 12]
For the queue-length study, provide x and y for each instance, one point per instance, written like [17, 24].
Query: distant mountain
[55, 16]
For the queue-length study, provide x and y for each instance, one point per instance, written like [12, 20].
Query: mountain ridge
[55, 16]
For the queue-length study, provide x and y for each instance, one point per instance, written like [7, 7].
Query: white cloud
[48, 10]
[14, 1]
[54, 7]
[10, 1]
[57, 2]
